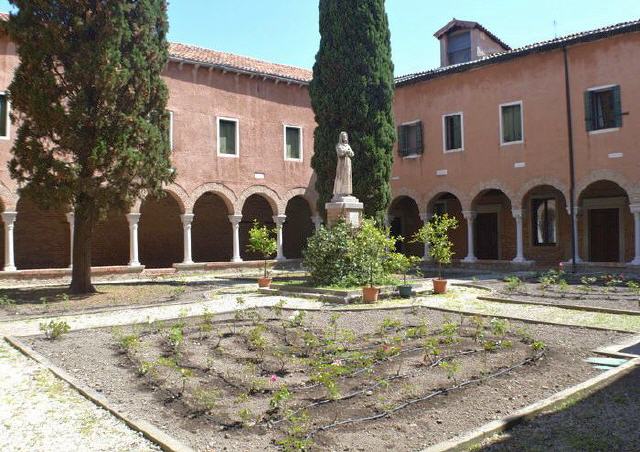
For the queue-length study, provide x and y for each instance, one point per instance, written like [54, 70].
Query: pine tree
[352, 90]
[91, 109]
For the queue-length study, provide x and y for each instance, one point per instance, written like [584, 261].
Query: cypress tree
[352, 90]
[91, 108]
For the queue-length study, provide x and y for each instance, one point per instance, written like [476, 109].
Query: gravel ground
[606, 420]
[42, 413]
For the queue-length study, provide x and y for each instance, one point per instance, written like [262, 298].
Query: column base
[189, 266]
[636, 261]
[10, 269]
[469, 259]
[134, 264]
[570, 261]
[521, 260]
[237, 260]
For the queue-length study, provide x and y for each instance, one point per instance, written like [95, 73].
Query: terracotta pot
[439, 285]
[264, 282]
[370, 294]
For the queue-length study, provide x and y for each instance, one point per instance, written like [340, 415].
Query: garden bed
[355, 381]
[55, 300]
[573, 293]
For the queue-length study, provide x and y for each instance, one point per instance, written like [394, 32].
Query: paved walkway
[39, 412]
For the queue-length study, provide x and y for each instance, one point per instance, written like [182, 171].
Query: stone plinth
[346, 208]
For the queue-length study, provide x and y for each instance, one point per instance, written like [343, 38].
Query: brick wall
[41, 237]
[211, 231]
[298, 227]
[110, 244]
[160, 233]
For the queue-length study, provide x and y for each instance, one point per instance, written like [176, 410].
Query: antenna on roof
[555, 29]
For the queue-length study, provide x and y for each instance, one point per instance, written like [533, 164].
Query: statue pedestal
[346, 208]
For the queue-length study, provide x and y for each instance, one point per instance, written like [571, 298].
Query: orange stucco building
[533, 149]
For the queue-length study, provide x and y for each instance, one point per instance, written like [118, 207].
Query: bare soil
[361, 381]
[575, 295]
[15, 303]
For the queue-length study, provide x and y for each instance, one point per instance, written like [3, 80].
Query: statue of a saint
[342, 186]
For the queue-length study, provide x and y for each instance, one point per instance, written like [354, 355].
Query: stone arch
[211, 231]
[479, 189]
[607, 175]
[160, 232]
[225, 193]
[181, 196]
[433, 195]
[267, 193]
[298, 226]
[255, 207]
[8, 198]
[303, 193]
[409, 193]
[518, 201]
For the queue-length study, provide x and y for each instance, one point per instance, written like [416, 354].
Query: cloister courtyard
[207, 361]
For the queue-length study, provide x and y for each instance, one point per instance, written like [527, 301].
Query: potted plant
[404, 264]
[371, 252]
[436, 234]
[262, 241]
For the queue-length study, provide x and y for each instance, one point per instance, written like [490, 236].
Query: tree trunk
[83, 229]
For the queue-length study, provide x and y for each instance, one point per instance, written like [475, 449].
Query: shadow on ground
[608, 420]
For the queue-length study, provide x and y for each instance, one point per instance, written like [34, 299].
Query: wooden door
[604, 235]
[486, 236]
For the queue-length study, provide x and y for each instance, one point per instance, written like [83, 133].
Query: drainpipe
[572, 169]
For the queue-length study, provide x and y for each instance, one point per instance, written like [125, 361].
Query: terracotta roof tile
[543, 46]
[237, 63]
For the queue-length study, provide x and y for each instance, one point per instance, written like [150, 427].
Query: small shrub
[449, 332]
[263, 242]
[280, 398]
[499, 327]
[431, 350]
[538, 346]
[205, 400]
[452, 368]
[6, 301]
[436, 233]
[296, 438]
[54, 329]
[514, 284]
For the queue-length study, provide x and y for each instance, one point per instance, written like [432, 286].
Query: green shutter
[588, 110]
[402, 141]
[617, 106]
[3, 115]
[419, 145]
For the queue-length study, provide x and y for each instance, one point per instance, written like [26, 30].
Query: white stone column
[576, 212]
[317, 221]
[279, 221]
[187, 219]
[71, 221]
[9, 219]
[133, 219]
[470, 216]
[517, 215]
[235, 223]
[425, 217]
[635, 210]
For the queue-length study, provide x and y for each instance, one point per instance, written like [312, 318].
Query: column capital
[70, 217]
[9, 217]
[279, 219]
[316, 219]
[187, 218]
[133, 218]
[426, 216]
[517, 213]
[576, 210]
[235, 219]
[469, 214]
[635, 208]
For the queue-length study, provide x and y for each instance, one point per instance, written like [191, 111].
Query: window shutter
[588, 110]
[402, 141]
[419, 145]
[617, 106]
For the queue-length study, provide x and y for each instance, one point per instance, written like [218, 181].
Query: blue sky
[286, 31]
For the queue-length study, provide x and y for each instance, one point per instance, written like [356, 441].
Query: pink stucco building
[532, 148]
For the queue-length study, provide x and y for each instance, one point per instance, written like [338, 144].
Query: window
[544, 221]
[4, 116]
[292, 143]
[228, 137]
[453, 133]
[459, 48]
[410, 139]
[511, 123]
[603, 108]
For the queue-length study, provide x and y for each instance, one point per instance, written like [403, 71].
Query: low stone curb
[474, 437]
[562, 306]
[151, 432]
